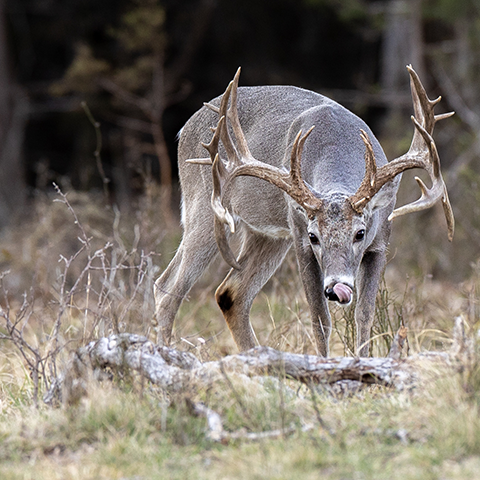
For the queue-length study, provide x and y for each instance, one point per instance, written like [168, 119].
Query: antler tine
[212, 147]
[222, 215]
[438, 191]
[213, 108]
[421, 154]
[367, 190]
[220, 176]
[219, 131]
[224, 134]
[429, 196]
[297, 189]
[443, 116]
[448, 212]
[296, 157]
[423, 107]
[232, 113]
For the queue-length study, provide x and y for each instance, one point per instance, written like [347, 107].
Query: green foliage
[83, 74]
[136, 76]
[388, 319]
[348, 10]
[141, 27]
[450, 10]
[140, 39]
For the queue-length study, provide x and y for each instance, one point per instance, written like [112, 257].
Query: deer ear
[386, 195]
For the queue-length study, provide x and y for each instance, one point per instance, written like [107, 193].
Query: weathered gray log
[177, 371]
[174, 370]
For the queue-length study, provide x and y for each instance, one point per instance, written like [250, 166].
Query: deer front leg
[368, 280]
[312, 279]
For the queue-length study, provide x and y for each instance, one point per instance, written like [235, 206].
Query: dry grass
[79, 270]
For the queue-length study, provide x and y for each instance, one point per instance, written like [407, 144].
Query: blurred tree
[13, 118]
[137, 77]
[402, 44]
[454, 54]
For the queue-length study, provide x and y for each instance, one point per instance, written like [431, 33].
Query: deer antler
[421, 154]
[240, 162]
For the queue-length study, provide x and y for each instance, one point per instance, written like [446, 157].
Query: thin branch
[98, 149]
[467, 115]
[117, 91]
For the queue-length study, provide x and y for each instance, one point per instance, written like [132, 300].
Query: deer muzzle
[339, 292]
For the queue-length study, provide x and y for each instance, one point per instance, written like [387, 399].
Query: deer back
[271, 116]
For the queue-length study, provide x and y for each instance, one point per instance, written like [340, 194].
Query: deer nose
[331, 295]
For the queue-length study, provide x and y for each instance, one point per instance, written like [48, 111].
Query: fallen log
[177, 371]
[182, 372]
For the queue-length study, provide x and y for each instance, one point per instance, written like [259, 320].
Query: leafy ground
[78, 271]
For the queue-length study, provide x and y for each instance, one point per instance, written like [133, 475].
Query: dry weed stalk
[101, 295]
[36, 361]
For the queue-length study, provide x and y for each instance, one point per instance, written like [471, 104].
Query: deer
[290, 167]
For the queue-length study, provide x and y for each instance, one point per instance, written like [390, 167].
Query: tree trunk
[13, 118]
[402, 45]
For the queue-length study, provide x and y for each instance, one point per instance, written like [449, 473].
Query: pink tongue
[343, 292]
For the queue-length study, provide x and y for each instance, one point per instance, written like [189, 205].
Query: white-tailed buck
[287, 167]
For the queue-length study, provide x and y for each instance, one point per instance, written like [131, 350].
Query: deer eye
[313, 239]
[360, 235]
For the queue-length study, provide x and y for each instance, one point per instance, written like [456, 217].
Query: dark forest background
[93, 93]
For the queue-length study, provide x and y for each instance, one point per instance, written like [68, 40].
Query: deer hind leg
[259, 259]
[368, 280]
[195, 253]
